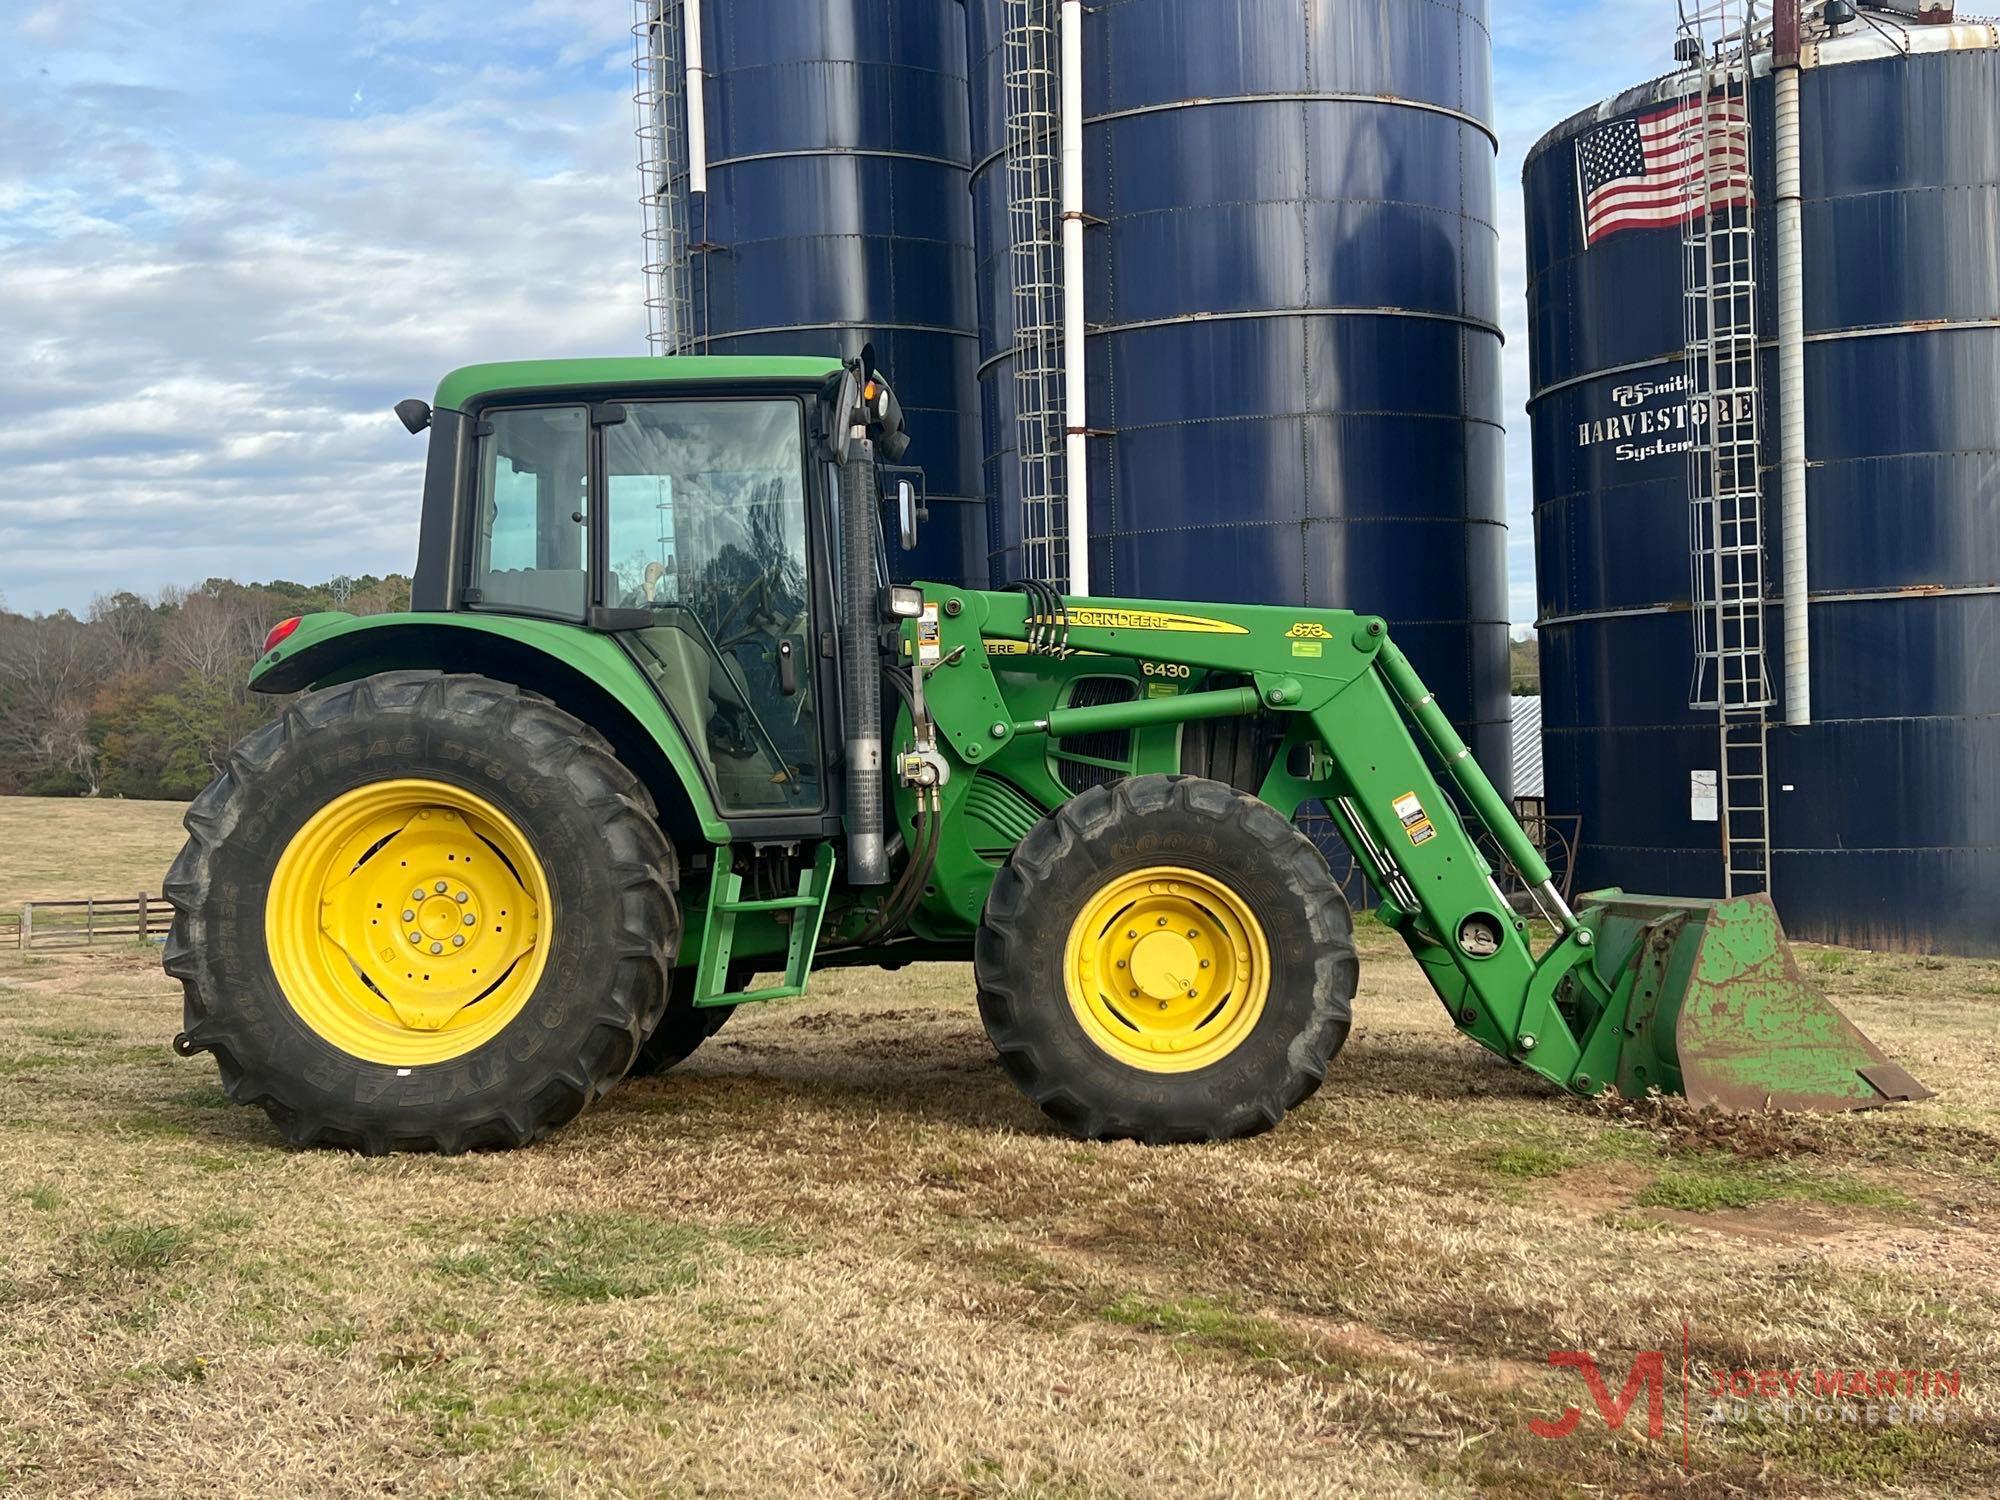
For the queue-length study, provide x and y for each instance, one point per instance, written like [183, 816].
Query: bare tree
[210, 635]
[51, 667]
[131, 625]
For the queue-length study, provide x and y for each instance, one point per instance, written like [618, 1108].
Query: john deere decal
[1148, 619]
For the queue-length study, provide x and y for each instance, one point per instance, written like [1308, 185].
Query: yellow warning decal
[1149, 619]
[1309, 630]
[1416, 822]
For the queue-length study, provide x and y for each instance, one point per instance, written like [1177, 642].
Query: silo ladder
[1725, 496]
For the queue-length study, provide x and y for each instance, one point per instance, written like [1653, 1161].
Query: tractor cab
[686, 509]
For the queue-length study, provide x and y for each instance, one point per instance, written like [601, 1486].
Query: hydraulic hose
[929, 837]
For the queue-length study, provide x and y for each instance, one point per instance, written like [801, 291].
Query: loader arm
[1642, 993]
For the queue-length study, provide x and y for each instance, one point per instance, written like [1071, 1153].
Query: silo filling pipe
[1076, 461]
[1792, 366]
[697, 133]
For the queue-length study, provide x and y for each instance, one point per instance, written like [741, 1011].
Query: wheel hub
[1166, 968]
[403, 921]
[1164, 965]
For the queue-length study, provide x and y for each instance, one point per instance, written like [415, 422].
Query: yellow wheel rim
[405, 922]
[1167, 969]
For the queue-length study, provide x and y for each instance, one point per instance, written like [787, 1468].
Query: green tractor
[629, 752]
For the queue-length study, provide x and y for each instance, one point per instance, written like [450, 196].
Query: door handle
[788, 669]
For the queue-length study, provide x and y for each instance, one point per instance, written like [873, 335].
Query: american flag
[1646, 172]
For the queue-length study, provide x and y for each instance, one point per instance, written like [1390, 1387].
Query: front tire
[422, 912]
[1166, 959]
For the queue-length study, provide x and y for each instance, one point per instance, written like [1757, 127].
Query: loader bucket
[1716, 1009]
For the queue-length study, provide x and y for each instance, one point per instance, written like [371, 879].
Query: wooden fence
[94, 919]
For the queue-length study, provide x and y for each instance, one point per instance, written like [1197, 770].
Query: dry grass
[837, 1255]
[58, 848]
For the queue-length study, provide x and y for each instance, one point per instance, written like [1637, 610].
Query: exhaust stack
[849, 434]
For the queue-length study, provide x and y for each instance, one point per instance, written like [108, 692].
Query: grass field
[55, 848]
[835, 1254]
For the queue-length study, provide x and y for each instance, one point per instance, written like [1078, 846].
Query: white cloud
[50, 22]
[213, 299]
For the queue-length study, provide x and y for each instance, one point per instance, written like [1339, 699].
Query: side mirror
[906, 512]
[414, 414]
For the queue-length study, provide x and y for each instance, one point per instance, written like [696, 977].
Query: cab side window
[528, 551]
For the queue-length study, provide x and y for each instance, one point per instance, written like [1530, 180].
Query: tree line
[144, 694]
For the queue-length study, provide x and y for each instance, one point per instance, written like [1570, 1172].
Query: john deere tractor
[659, 724]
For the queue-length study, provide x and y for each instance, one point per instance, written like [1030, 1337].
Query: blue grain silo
[1884, 812]
[1290, 287]
[836, 210]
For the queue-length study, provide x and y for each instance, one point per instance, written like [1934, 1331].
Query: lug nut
[437, 947]
[1193, 933]
[458, 940]
[470, 919]
[442, 888]
[416, 937]
[462, 897]
[1133, 933]
[1163, 1004]
[417, 894]
[1121, 963]
[409, 916]
[1163, 921]
[1135, 994]
[1204, 963]
[1191, 996]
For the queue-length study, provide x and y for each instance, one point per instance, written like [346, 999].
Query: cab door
[705, 530]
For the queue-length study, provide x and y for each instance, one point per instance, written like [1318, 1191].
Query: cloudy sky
[233, 234]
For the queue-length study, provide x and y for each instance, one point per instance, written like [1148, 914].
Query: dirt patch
[1600, 1188]
[856, 1020]
[1681, 1129]
[1785, 1224]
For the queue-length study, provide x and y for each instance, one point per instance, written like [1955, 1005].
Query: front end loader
[660, 737]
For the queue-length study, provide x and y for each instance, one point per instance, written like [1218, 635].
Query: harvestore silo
[805, 166]
[1288, 312]
[1864, 397]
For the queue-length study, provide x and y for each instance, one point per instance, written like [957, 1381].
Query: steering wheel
[759, 586]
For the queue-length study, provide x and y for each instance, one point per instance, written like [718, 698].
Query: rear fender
[584, 673]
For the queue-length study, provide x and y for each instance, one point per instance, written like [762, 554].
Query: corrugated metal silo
[1885, 811]
[1294, 354]
[836, 209]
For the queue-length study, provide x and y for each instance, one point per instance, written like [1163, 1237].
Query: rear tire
[1094, 1029]
[331, 1059]
[683, 1028]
